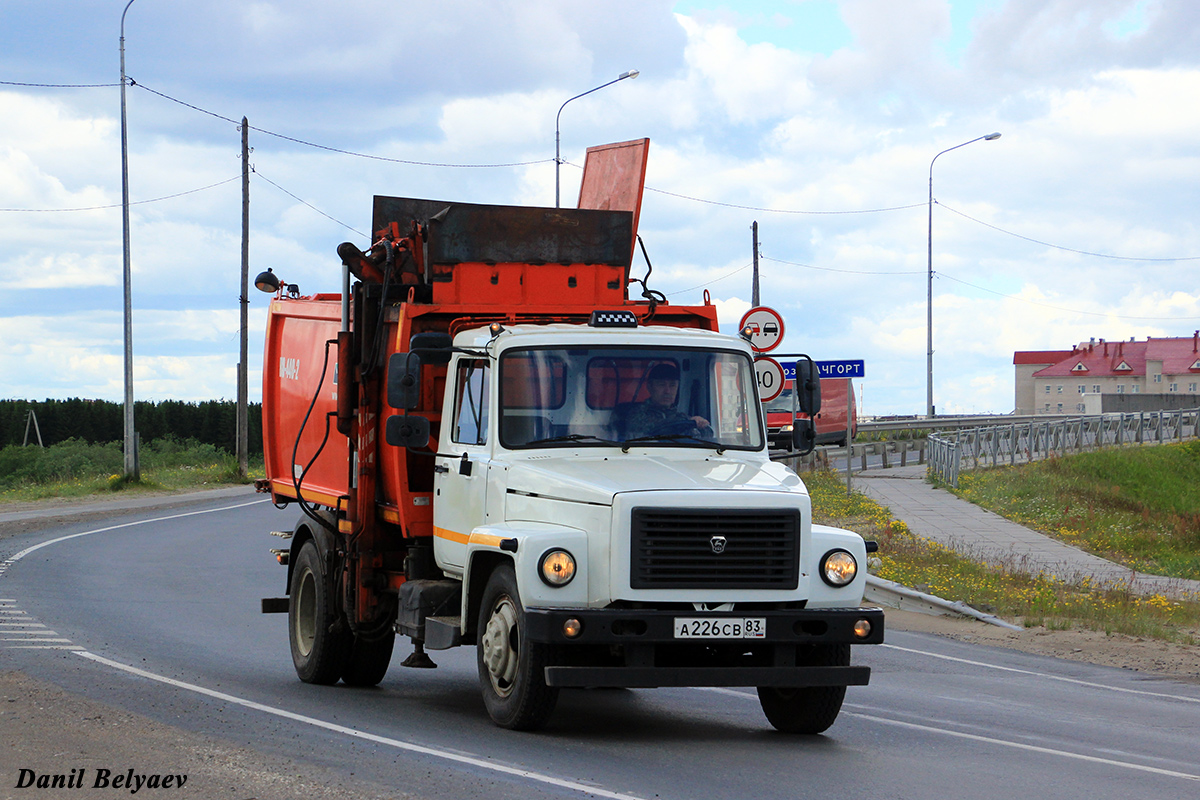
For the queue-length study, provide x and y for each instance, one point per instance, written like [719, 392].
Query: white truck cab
[646, 541]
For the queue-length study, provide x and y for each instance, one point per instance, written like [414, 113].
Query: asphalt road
[158, 613]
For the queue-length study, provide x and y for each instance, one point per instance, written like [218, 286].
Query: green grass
[1138, 506]
[75, 468]
[1034, 600]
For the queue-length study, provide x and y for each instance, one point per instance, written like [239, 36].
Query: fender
[523, 544]
[307, 529]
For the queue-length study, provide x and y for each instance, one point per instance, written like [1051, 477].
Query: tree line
[211, 422]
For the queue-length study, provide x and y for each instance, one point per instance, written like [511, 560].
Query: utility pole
[32, 417]
[243, 423]
[132, 466]
[754, 290]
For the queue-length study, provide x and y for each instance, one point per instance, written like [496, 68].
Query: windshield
[606, 396]
[781, 404]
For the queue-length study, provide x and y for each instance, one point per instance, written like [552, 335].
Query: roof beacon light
[613, 319]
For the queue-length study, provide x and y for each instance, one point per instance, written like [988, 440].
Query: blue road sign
[853, 368]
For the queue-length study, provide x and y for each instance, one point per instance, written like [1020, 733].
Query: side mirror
[433, 347]
[804, 436]
[404, 380]
[808, 386]
[405, 431]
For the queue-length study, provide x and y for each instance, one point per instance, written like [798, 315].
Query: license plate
[720, 628]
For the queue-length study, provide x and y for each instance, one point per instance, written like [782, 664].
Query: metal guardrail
[953, 423]
[952, 452]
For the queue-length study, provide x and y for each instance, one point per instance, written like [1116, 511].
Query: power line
[1060, 308]
[305, 202]
[133, 203]
[780, 210]
[846, 271]
[678, 195]
[1060, 247]
[768, 210]
[714, 280]
[336, 149]
[60, 85]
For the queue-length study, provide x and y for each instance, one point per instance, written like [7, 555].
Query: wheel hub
[306, 613]
[499, 650]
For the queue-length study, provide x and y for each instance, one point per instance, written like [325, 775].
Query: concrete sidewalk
[968, 529]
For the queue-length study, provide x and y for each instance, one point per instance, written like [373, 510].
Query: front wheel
[511, 668]
[809, 709]
[316, 633]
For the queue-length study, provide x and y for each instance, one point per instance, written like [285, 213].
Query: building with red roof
[1076, 380]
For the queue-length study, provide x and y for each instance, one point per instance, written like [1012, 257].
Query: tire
[511, 669]
[317, 635]
[368, 660]
[810, 709]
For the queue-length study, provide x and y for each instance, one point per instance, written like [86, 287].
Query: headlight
[557, 567]
[838, 568]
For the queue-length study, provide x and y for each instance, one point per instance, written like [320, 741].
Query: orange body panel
[292, 365]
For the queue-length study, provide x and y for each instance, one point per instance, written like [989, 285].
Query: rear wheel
[368, 660]
[809, 709]
[511, 668]
[318, 637]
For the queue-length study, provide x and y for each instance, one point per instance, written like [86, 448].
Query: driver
[658, 415]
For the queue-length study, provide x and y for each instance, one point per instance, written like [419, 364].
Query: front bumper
[652, 653]
[650, 626]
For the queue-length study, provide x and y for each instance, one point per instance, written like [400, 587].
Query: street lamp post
[131, 455]
[633, 73]
[929, 309]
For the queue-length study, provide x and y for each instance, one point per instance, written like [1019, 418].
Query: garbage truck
[498, 436]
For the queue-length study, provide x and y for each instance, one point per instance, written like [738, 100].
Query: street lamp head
[633, 73]
[991, 136]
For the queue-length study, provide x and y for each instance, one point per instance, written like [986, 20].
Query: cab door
[461, 471]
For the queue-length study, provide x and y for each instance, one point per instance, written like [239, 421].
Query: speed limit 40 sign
[769, 373]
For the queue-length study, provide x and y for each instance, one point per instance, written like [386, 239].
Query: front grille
[672, 548]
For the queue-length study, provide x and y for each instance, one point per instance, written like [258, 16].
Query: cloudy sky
[817, 118]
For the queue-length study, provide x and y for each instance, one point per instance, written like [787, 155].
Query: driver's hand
[701, 422]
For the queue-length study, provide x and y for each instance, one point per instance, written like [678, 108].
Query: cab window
[471, 402]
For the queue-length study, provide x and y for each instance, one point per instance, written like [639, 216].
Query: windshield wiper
[674, 437]
[572, 437]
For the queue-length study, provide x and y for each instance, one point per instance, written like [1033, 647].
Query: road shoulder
[1156, 658]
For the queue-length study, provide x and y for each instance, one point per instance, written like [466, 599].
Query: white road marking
[1075, 681]
[4, 565]
[1029, 747]
[26, 639]
[25, 628]
[985, 739]
[474, 761]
